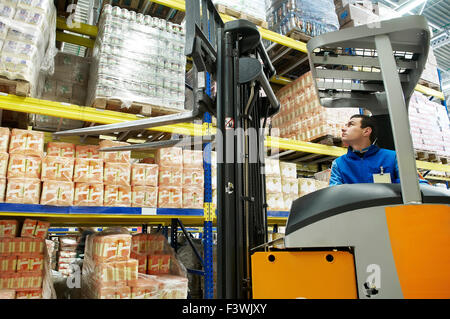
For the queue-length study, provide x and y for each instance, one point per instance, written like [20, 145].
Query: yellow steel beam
[433, 166]
[427, 91]
[265, 34]
[87, 114]
[438, 178]
[287, 144]
[103, 219]
[74, 39]
[77, 27]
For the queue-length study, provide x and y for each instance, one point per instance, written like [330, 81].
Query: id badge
[382, 178]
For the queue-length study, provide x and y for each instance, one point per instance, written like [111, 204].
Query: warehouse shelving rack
[165, 217]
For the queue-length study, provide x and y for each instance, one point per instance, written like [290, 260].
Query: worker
[364, 162]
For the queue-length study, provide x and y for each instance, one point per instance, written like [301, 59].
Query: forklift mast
[231, 55]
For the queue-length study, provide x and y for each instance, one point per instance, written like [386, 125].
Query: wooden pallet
[135, 108]
[241, 15]
[16, 87]
[298, 35]
[430, 85]
[427, 156]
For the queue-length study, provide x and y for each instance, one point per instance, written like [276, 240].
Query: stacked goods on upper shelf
[24, 261]
[430, 72]
[110, 273]
[68, 84]
[352, 13]
[253, 8]
[137, 58]
[309, 185]
[311, 18]
[274, 195]
[193, 179]
[27, 37]
[301, 116]
[429, 125]
[26, 149]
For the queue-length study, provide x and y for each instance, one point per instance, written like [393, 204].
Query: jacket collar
[369, 151]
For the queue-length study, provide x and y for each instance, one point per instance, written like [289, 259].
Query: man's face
[353, 133]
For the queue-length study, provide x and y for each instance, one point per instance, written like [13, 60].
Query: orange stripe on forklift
[420, 241]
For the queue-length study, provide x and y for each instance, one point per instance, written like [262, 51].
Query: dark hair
[368, 121]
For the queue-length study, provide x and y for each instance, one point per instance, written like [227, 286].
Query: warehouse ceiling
[437, 13]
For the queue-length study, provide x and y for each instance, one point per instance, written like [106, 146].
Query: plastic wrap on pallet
[109, 272]
[254, 8]
[27, 40]
[301, 116]
[312, 18]
[429, 124]
[138, 58]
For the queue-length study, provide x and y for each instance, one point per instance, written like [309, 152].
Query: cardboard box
[9, 228]
[27, 142]
[272, 167]
[4, 139]
[158, 264]
[87, 151]
[288, 170]
[24, 166]
[23, 191]
[41, 229]
[169, 157]
[61, 149]
[116, 195]
[192, 159]
[358, 14]
[170, 176]
[275, 202]
[28, 228]
[87, 194]
[144, 174]
[193, 177]
[193, 197]
[117, 174]
[57, 169]
[170, 197]
[289, 186]
[2, 189]
[144, 196]
[4, 158]
[115, 157]
[88, 170]
[273, 184]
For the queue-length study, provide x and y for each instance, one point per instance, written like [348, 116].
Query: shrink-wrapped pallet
[23, 191]
[28, 40]
[87, 194]
[56, 168]
[144, 174]
[57, 193]
[26, 142]
[24, 166]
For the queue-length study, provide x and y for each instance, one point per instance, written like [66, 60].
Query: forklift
[346, 241]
